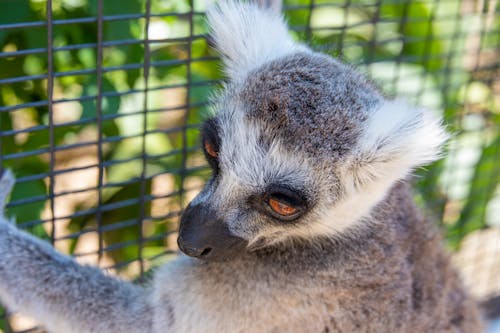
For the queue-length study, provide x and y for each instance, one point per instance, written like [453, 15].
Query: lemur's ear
[396, 139]
[247, 36]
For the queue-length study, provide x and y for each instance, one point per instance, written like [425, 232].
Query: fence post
[275, 5]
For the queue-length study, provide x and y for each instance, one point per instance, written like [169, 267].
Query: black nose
[196, 252]
[202, 235]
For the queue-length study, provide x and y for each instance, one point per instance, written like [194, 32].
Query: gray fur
[360, 259]
[302, 98]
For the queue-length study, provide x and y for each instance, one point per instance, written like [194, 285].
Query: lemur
[307, 224]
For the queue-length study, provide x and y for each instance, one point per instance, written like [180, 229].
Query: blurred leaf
[135, 54]
[14, 11]
[110, 105]
[113, 8]
[11, 67]
[128, 233]
[25, 190]
[3, 318]
[8, 145]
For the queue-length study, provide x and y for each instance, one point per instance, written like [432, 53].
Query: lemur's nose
[196, 252]
[202, 235]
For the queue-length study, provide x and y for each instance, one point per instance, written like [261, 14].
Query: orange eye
[210, 149]
[281, 207]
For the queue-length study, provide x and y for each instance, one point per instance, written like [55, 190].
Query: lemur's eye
[211, 143]
[281, 207]
[284, 203]
[210, 149]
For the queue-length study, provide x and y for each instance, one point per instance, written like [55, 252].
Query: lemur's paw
[7, 181]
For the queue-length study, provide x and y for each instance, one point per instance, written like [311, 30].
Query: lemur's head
[301, 145]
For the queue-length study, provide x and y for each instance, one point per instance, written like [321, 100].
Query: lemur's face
[301, 146]
[275, 145]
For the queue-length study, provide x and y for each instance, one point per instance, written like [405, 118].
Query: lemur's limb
[59, 293]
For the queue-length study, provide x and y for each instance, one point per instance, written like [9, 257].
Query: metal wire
[50, 95]
[99, 101]
[100, 120]
[147, 61]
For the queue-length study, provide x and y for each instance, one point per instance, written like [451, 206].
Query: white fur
[253, 165]
[245, 162]
[397, 139]
[248, 36]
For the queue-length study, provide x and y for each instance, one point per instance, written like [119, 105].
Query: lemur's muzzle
[202, 235]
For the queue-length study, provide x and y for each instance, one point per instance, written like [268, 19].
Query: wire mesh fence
[100, 103]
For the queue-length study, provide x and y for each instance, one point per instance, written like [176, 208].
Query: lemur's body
[391, 278]
[306, 225]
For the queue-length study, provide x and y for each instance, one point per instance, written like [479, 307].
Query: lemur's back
[393, 277]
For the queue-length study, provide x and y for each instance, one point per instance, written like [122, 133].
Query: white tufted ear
[396, 139]
[248, 36]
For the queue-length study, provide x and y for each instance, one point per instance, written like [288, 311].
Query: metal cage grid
[100, 104]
